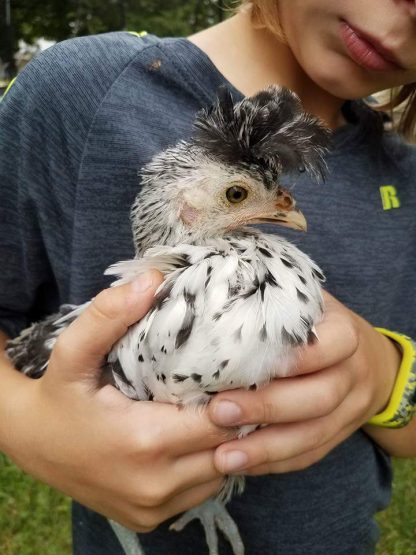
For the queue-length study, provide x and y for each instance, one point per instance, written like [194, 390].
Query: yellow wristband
[402, 404]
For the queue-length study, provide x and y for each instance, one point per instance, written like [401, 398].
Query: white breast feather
[229, 314]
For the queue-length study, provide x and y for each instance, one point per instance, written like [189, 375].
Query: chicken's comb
[269, 129]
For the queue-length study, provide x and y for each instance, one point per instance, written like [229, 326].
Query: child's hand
[136, 462]
[346, 377]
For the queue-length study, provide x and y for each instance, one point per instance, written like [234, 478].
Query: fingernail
[234, 460]
[142, 283]
[227, 413]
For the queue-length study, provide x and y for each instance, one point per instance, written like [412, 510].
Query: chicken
[235, 303]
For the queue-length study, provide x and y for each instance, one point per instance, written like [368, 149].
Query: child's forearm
[397, 442]
[12, 385]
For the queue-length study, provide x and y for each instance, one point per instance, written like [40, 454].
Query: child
[76, 126]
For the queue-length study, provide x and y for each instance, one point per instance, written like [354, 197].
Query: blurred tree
[7, 40]
[61, 19]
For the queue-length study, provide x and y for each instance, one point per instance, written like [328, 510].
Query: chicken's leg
[128, 539]
[213, 515]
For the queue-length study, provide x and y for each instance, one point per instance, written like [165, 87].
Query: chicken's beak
[285, 213]
[293, 219]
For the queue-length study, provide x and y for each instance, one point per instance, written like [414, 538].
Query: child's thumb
[81, 349]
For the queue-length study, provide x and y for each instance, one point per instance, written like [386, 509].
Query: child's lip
[367, 50]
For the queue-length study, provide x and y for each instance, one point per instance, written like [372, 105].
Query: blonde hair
[401, 105]
[264, 14]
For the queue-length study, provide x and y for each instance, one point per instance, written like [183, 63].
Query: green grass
[34, 520]
[398, 523]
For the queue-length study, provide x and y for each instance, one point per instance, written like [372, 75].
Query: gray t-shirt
[75, 128]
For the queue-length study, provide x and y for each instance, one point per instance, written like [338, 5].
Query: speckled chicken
[235, 303]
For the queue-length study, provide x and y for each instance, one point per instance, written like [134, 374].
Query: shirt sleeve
[44, 122]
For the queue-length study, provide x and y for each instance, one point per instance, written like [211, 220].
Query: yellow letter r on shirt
[389, 197]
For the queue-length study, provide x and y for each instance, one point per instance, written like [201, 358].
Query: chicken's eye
[236, 194]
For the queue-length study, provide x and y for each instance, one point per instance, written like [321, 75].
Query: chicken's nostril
[285, 202]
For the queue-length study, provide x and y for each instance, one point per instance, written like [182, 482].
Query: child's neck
[251, 59]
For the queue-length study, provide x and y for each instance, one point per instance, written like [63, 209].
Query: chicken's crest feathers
[268, 132]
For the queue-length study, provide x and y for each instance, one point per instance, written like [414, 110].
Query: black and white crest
[267, 131]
